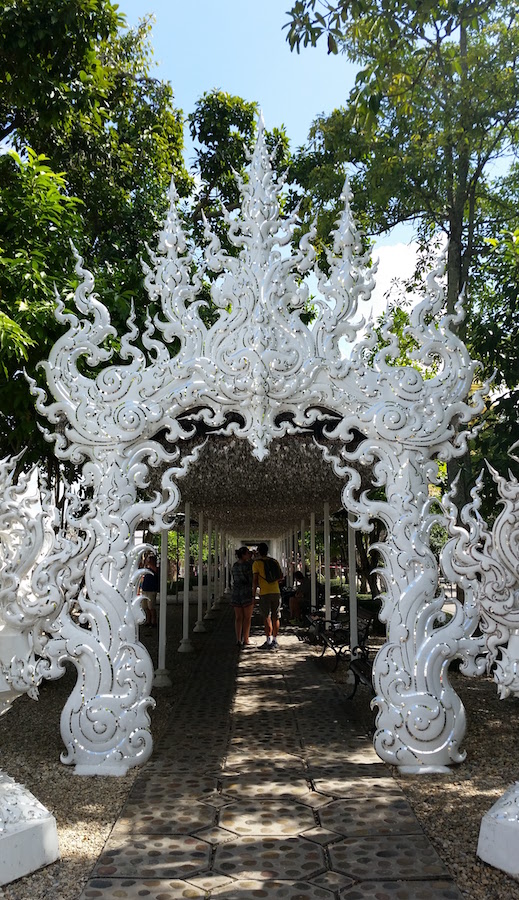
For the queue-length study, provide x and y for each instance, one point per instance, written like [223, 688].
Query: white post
[313, 585]
[185, 644]
[199, 626]
[303, 546]
[352, 579]
[326, 540]
[226, 580]
[209, 613]
[217, 568]
[161, 675]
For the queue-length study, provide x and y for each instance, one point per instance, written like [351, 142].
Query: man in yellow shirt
[263, 569]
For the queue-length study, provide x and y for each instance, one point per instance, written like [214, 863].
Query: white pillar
[217, 568]
[161, 675]
[326, 541]
[313, 594]
[226, 580]
[352, 579]
[186, 645]
[302, 545]
[209, 613]
[199, 626]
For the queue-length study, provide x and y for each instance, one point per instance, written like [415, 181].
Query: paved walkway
[262, 786]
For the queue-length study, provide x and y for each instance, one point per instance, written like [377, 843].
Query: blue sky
[240, 47]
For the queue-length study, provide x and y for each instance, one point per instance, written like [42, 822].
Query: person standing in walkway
[242, 599]
[266, 574]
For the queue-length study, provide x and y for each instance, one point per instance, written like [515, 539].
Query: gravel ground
[449, 807]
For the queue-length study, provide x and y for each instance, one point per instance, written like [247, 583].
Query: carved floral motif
[259, 373]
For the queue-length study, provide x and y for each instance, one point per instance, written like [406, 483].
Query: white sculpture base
[498, 842]
[28, 834]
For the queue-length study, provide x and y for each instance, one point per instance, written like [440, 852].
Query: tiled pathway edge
[262, 787]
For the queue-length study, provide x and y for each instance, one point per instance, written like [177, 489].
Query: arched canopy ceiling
[261, 498]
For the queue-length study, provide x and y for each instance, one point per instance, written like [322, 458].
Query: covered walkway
[263, 785]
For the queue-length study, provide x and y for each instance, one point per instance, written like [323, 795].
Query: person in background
[300, 602]
[149, 590]
[266, 574]
[242, 599]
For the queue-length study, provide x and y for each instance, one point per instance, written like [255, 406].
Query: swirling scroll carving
[259, 373]
[486, 564]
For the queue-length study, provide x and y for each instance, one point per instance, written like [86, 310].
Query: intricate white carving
[499, 833]
[486, 564]
[17, 806]
[25, 537]
[275, 376]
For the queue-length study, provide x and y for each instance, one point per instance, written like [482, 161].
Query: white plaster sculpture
[486, 565]
[28, 833]
[259, 373]
[25, 537]
[498, 842]
[499, 585]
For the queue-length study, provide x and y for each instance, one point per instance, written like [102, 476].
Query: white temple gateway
[257, 422]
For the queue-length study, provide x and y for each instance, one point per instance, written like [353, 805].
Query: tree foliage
[224, 128]
[98, 140]
[37, 221]
[435, 105]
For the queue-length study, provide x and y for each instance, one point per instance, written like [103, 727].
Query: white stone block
[498, 842]
[28, 833]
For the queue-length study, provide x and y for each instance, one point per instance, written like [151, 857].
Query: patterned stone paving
[262, 787]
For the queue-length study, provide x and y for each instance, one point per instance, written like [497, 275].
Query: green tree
[52, 73]
[77, 97]
[224, 129]
[37, 221]
[435, 104]
[495, 336]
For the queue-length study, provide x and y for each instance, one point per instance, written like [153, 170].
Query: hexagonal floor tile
[345, 787]
[209, 881]
[267, 817]
[272, 890]
[378, 815]
[392, 858]
[153, 856]
[242, 759]
[216, 835]
[173, 817]
[268, 787]
[270, 858]
[169, 786]
[136, 889]
[332, 881]
[402, 890]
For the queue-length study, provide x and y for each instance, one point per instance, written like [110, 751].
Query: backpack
[272, 569]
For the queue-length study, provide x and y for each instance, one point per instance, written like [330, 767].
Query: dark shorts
[242, 604]
[270, 605]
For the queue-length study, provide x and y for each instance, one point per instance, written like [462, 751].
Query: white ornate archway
[258, 375]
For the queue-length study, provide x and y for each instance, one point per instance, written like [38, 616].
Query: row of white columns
[218, 577]
[289, 553]
[217, 581]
